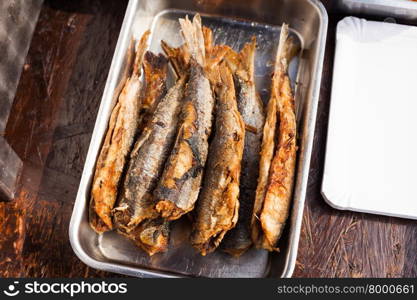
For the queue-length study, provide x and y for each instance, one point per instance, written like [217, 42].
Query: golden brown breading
[275, 186]
[218, 203]
[179, 186]
[117, 145]
[238, 240]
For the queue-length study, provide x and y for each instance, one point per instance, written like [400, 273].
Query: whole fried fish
[147, 161]
[275, 184]
[218, 203]
[238, 240]
[135, 215]
[179, 186]
[117, 145]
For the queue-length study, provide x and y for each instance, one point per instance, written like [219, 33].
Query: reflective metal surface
[233, 22]
[402, 9]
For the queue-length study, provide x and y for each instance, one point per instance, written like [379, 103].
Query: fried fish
[152, 235]
[238, 240]
[135, 215]
[277, 165]
[218, 204]
[178, 189]
[119, 139]
[147, 160]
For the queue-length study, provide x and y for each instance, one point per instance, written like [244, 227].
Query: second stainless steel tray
[233, 22]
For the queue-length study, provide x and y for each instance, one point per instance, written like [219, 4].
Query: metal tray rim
[302, 176]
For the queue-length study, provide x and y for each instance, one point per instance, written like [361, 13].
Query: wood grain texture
[51, 126]
[337, 243]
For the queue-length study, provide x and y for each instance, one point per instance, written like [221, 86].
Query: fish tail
[154, 63]
[214, 53]
[233, 60]
[226, 76]
[140, 52]
[247, 57]
[152, 236]
[179, 57]
[193, 36]
[282, 50]
[154, 85]
[291, 49]
[243, 62]
[287, 49]
[208, 39]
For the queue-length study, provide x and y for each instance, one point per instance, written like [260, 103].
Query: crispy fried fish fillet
[117, 145]
[179, 186]
[238, 240]
[218, 204]
[275, 184]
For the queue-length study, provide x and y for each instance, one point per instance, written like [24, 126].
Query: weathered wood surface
[51, 126]
[17, 21]
[337, 243]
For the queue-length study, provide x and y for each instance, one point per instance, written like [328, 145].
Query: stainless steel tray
[233, 22]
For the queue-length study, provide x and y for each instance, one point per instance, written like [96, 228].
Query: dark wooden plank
[50, 128]
[337, 243]
[10, 169]
[17, 23]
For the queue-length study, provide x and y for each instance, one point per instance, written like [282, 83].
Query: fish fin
[243, 62]
[214, 56]
[226, 76]
[247, 57]
[140, 52]
[282, 51]
[208, 39]
[192, 34]
[179, 57]
[155, 69]
[214, 53]
[212, 70]
[152, 235]
[232, 59]
[287, 49]
[292, 49]
[154, 63]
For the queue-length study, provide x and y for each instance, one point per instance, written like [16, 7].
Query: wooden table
[50, 128]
